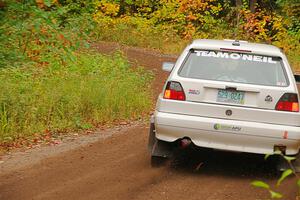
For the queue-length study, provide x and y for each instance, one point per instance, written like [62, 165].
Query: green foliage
[78, 7]
[288, 172]
[94, 89]
[263, 185]
[260, 184]
[275, 195]
[298, 183]
[262, 25]
[29, 33]
[139, 32]
[169, 25]
[185, 17]
[291, 8]
[284, 174]
[49, 84]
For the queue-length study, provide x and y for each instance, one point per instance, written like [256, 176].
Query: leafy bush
[31, 34]
[262, 26]
[50, 83]
[137, 31]
[169, 25]
[92, 90]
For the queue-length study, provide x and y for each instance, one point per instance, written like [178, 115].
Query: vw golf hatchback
[227, 95]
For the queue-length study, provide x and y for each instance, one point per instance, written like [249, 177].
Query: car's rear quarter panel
[252, 137]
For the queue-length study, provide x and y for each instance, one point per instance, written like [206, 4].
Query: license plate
[228, 96]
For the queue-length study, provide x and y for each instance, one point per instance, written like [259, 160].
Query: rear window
[234, 67]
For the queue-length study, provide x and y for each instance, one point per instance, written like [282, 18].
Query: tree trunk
[2, 5]
[238, 5]
[122, 8]
[253, 5]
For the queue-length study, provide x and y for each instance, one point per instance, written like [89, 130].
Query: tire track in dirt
[118, 167]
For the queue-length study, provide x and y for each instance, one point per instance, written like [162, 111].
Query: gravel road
[118, 166]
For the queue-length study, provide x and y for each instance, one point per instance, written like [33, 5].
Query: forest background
[52, 82]
[170, 24]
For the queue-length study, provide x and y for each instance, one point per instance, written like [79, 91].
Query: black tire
[157, 161]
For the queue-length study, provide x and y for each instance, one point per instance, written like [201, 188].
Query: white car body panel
[242, 114]
[251, 137]
[261, 126]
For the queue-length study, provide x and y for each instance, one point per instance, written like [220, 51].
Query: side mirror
[167, 66]
[297, 77]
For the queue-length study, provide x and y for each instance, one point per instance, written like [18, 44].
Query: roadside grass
[92, 90]
[49, 82]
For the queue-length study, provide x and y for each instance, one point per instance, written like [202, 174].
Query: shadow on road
[222, 163]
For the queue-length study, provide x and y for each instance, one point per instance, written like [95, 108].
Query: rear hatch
[234, 85]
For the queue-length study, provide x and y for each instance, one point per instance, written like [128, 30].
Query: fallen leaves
[36, 140]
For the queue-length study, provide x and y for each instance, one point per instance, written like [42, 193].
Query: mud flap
[152, 139]
[157, 147]
[161, 149]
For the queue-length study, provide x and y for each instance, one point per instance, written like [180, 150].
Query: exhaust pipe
[184, 143]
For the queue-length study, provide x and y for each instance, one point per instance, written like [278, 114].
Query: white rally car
[227, 95]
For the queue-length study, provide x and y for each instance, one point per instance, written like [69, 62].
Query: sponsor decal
[236, 56]
[227, 127]
[195, 92]
[217, 126]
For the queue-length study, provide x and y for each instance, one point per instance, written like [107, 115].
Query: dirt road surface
[118, 167]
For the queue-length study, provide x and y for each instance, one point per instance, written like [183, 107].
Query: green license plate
[228, 96]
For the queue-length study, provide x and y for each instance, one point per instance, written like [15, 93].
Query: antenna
[237, 22]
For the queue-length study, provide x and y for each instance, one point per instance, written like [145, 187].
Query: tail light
[174, 91]
[288, 102]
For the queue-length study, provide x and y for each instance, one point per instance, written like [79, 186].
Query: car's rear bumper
[225, 134]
